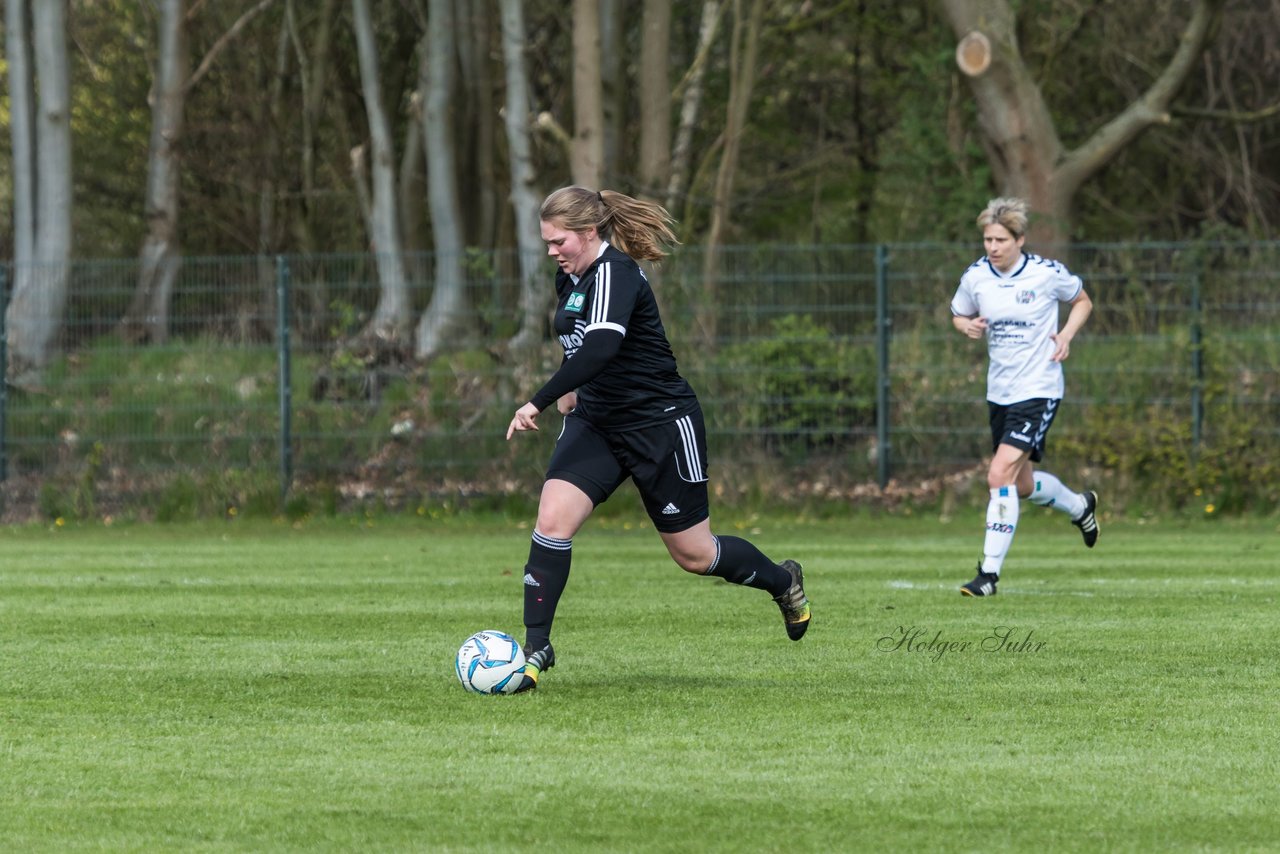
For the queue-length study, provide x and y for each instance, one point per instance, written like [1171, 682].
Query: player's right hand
[523, 420]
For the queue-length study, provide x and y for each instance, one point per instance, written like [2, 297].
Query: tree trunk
[743, 50]
[21, 130]
[263, 316]
[40, 292]
[587, 165]
[393, 315]
[53, 154]
[314, 61]
[474, 28]
[158, 261]
[690, 101]
[313, 79]
[1026, 155]
[447, 316]
[614, 106]
[535, 301]
[655, 99]
[413, 194]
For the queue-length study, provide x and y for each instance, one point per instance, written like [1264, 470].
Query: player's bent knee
[552, 524]
[695, 567]
[999, 478]
[698, 564]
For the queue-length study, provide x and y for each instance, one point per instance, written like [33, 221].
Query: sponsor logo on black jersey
[573, 340]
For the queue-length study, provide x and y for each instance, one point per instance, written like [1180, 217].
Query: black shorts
[668, 463]
[1023, 425]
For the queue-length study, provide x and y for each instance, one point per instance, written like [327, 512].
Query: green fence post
[883, 322]
[286, 377]
[1197, 366]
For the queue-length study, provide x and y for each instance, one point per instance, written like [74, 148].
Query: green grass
[231, 687]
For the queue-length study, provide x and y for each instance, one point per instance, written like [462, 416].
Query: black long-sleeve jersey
[616, 352]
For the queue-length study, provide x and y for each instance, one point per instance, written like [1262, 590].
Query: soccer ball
[489, 662]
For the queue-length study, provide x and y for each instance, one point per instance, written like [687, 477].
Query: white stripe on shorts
[689, 439]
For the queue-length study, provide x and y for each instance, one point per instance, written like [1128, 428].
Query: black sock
[739, 562]
[545, 576]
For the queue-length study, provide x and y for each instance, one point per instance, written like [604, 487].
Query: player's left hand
[524, 419]
[1061, 347]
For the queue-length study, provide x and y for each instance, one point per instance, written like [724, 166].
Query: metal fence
[819, 368]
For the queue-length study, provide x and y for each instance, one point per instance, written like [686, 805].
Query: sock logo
[530, 581]
[749, 579]
[670, 509]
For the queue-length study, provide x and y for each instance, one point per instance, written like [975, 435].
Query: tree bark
[614, 106]
[535, 301]
[264, 315]
[412, 192]
[313, 79]
[147, 317]
[655, 99]
[393, 315]
[21, 130]
[40, 291]
[587, 165]
[53, 154]
[743, 51]
[159, 259]
[448, 315]
[473, 42]
[690, 102]
[1026, 154]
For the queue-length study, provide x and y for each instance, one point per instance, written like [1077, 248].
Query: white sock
[1051, 492]
[1002, 522]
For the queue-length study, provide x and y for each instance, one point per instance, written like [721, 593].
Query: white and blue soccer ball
[490, 662]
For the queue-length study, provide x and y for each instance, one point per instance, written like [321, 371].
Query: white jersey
[1021, 308]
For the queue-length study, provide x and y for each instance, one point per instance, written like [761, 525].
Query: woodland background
[409, 143]
[161, 128]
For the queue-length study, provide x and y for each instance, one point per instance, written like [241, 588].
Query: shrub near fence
[825, 371]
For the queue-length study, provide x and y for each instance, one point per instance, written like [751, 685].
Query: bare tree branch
[220, 44]
[1151, 108]
[1236, 116]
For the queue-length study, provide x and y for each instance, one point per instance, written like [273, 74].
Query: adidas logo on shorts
[530, 581]
[670, 510]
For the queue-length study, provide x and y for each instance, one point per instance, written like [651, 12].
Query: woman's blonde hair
[640, 229]
[1009, 212]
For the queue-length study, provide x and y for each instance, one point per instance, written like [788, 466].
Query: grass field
[233, 687]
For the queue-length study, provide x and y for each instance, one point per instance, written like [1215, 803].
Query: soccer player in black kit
[629, 414]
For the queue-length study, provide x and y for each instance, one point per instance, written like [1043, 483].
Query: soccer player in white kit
[1012, 297]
